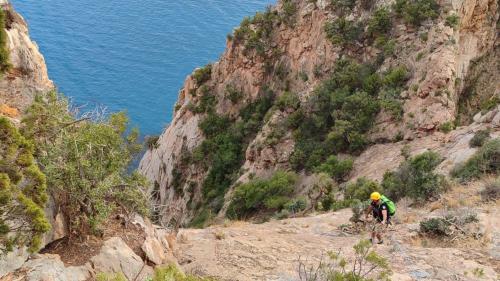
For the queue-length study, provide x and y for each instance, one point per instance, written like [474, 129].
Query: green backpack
[390, 205]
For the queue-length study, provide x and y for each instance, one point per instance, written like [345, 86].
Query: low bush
[288, 100]
[262, 195]
[449, 225]
[361, 189]
[479, 138]
[343, 5]
[485, 161]
[163, 273]
[233, 94]
[289, 11]
[202, 75]
[367, 265]
[335, 167]
[415, 178]
[446, 127]
[151, 142]
[343, 32]
[415, 12]
[380, 23]
[491, 191]
[452, 20]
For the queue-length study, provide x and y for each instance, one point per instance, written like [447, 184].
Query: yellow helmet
[375, 196]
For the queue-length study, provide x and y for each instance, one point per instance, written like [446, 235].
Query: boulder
[115, 256]
[49, 267]
[12, 261]
[154, 250]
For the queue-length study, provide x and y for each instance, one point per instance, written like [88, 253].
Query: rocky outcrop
[273, 250]
[454, 148]
[437, 55]
[28, 75]
[115, 256]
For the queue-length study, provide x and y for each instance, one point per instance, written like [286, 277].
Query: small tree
[86, 162]
[4, 49]
[415, 178]
[22, 192]
[367, 265]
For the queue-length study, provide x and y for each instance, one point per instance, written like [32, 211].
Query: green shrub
[203, 74]
[172, 273]
[207, 101]
[222, 152]
[151, 142]
[255, 32]
[102, 276]
[233, 94]
[262, 194]
[86, 162]
[296, 205]
[23, 192]
[4, 49]
[343, 5]
[396, 77]
[414, 12]
[491, 191]
[288, 100]
[380, 23]
[485, 161]
[448, 225]
[367, 265]
[446, 127]
[336, 168]
[289, 11]
[479, 138]
[452, 20]
[415, 178]
[394, 107]
[435, 227]
[343, 32]
[361, 189]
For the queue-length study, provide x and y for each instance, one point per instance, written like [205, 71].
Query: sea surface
[131, 55]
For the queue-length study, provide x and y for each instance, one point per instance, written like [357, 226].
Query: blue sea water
[131, 55]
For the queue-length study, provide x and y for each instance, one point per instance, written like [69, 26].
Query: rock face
[29, 72]
[437, 55]
[116, 257]
[272, 250]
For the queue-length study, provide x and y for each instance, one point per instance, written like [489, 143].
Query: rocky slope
[273, 250]
[28, 75]
[296, 57]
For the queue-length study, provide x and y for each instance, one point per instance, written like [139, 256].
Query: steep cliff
[288, 54]
[28, 74]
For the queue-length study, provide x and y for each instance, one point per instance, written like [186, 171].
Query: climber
[382, 210]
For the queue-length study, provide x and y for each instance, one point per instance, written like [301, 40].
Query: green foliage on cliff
[342, 110]
[203, 74]
[86, 162]
[262, 195]
[222, 152]
[485, 161]
[415, 12]
[343, 32]
[22, 192]
[4, 49]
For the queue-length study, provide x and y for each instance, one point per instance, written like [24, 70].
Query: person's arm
[368, 211]
[384, 216]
